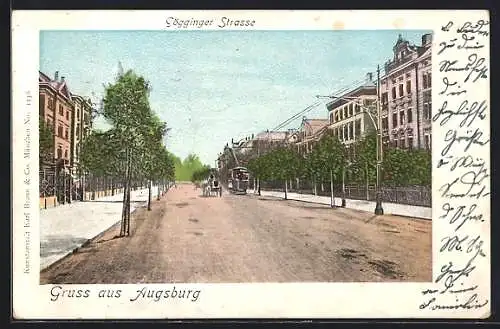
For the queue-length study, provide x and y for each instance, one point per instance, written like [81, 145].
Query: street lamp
[377, 125]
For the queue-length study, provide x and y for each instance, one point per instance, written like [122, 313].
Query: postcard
[251, 164]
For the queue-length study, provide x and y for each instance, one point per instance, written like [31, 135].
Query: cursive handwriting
[472, 137]
[471, 111]
[475, 66]
[461, 114]
[471, 181]
[460, 214]
[475, 28]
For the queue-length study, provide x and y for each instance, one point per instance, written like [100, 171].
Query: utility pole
[378, 207]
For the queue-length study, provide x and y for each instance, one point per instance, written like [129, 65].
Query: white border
[293, 300]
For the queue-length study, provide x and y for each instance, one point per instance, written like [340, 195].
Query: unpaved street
[190, 238]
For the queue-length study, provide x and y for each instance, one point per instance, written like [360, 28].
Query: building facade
[309, 134]
[56, 108]
[348, 115]
[405, 91]
[70, 117]
[82, 124]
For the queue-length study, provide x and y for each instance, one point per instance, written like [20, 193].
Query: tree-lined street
[189, 238]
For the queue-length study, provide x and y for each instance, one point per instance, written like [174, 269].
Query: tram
[238, 180]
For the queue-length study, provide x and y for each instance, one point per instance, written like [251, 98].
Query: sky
[212, 86]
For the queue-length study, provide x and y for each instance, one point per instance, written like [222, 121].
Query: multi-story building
[82, 124]
[56, 109]
[309, 133]
[348, 113]
[405, 91]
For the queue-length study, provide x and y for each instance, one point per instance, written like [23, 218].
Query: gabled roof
[315, 124]
[59, 86]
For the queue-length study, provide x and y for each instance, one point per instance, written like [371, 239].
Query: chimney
[369, 76]
[63, 79]
[56, 76]
[252, 136]
[426, 39]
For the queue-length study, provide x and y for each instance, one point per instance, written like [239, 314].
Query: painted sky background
[211, 86]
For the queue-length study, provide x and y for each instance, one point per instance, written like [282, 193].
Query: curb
[88, 241]
[328, 205]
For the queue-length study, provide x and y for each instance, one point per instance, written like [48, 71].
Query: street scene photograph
[235, 156]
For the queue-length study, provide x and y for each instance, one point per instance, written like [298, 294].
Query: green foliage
[399, 167]
[328, 155]
[184, 169]
[364, 160]
[407, 167]
[46, 141]
[202, 174]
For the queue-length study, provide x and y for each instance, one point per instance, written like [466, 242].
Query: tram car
[238, 180]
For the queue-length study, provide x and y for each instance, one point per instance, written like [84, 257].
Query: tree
[407, 167]
[329, 160]
[46, 141]
[126, 107]
[365, 159]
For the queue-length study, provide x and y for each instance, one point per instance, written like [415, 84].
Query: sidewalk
[67, 227]
[389, 208]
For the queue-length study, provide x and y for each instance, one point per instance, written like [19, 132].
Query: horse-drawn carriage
[212, 187]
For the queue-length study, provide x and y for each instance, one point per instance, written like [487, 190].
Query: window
[52, 104]
[78, 131]
[368, 102]
[385, 98]
[400, 90]
[358, 108]
[426, 80]
[410, 143]
[344, 132]
[351, 130]
[427, 141]
[61, 110]
[344, 112]
[408, 87]
[402, 143]
[427, 112]
[394, 93]
[78, 113]
[357, 128]
[395, 143]
[385, 123]
[41, 104]
[67, 114]
[66, 136]
[331, 121]
[59, 152]
[59, 131]
[65, 154]
[351, 110]
[410, 115]
[402, 117]
[394, 120]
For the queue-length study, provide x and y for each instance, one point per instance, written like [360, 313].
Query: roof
[316, 124]
[272, 135]
[59, 85]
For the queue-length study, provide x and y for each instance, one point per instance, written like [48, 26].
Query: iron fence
[410, 195]
[66, 188]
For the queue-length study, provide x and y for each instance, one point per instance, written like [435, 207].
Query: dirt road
[190, 238]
